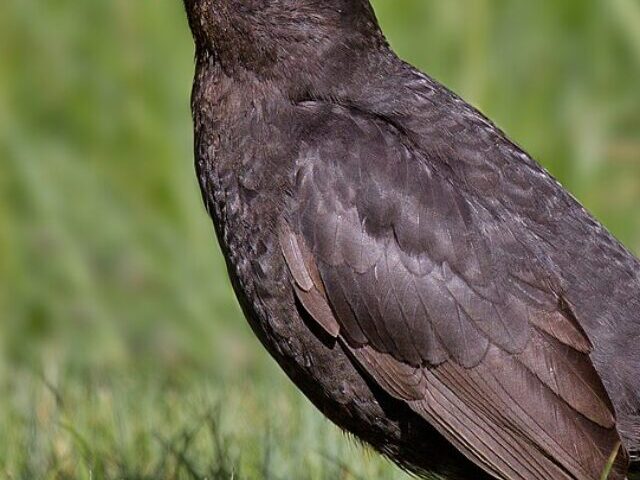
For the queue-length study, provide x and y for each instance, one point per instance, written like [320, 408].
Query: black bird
[428, 285]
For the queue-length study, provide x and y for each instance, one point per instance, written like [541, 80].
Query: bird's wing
[442, 304]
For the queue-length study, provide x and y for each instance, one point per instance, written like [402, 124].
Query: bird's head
[261, 35]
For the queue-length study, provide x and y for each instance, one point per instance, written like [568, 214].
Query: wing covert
[442, 303]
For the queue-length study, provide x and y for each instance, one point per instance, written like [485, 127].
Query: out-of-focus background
[123, 354]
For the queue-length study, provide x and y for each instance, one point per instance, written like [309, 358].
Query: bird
[423, 281]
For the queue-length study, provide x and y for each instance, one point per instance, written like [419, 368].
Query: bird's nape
[279, 38]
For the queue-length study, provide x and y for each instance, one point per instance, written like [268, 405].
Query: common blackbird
[422, 280]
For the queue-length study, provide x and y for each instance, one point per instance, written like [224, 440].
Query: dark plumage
[420, 278]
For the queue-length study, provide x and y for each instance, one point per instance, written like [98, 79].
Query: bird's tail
[630, 430]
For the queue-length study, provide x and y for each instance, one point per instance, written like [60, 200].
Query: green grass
[123, 354]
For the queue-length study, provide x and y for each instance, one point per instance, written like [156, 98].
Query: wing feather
[444, 305]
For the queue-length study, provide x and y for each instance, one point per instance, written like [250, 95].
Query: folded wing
[444, 305]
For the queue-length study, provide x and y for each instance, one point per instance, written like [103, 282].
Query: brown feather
[307, 283]
[419, 283]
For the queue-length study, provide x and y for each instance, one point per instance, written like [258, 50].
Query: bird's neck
[281, 41]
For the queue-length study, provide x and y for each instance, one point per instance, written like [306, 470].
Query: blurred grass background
[123, 354]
